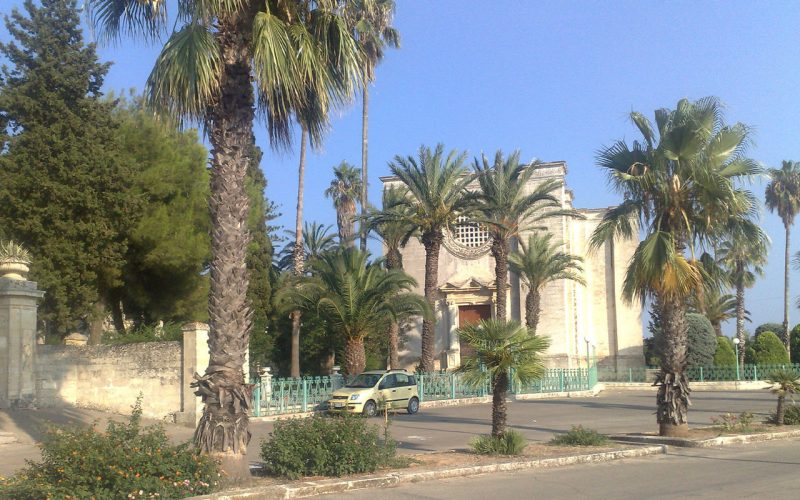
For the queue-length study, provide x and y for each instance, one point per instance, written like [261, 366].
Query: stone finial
[194, 326]
[14, 260]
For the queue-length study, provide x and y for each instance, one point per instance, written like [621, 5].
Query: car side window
[388, 382]
[402, 380]
[412, 380]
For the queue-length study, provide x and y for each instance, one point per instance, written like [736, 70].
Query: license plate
[338, 405]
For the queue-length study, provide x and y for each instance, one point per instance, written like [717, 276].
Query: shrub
[731, 422]
[725, 354]
[776, 328]
[794, 340]
[769, 350]
[325, 446]
[701, 342]
[510, 443]
[578, 436]
[145, 333]
[125, 461]
[791, 417]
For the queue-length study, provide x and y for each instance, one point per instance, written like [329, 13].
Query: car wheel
[413, 406]
[370, 409]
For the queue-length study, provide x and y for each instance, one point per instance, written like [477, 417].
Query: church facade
[580, 320]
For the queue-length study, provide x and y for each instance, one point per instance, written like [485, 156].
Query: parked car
[370, 391]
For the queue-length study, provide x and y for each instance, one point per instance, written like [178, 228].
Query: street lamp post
[736, 344]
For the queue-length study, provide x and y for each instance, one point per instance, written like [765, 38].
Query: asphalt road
[440, 429]
[759, 470]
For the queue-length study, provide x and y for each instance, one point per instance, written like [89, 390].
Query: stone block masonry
[111, 377]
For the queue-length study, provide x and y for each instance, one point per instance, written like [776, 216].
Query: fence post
[257, 397]
[561, 380]
[421, 387]
[755, 373]
[305, 394]
[701, 374]
[452, 385]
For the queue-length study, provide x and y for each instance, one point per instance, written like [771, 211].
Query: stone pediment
[470, 284]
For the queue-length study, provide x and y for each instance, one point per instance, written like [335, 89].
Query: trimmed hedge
[701, 342]
[768, 349]
[725, 355]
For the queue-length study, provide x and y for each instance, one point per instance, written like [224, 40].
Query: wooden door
[469, 315]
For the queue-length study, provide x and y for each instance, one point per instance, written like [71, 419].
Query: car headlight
[354, 397]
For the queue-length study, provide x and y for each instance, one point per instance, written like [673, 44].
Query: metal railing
[696, 373]
[276, 396]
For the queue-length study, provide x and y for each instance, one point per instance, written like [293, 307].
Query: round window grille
[467, 239]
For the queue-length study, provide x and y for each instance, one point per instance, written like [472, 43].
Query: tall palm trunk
[345, 222]
[355, 357]
[786, 334]
[532, 310]
[499, 414]
[432, 241]
[223, 428]
[364, 177]
[500, 254]
[717, 326]
[740, 312]
[673, 387]
[299, 254]
[394, 260]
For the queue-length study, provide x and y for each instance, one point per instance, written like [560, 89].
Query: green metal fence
[695, 373]
[275, 396]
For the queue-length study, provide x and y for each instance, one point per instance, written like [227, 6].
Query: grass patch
[510, 443]
[579, 436]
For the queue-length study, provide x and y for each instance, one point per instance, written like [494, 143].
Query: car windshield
[364, 381]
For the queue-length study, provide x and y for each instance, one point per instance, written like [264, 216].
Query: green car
[369, 391]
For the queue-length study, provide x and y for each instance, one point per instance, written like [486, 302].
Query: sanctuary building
[580, 320]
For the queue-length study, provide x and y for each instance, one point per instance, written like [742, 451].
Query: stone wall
[110, 378]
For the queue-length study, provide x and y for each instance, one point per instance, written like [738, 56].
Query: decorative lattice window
[470, 234]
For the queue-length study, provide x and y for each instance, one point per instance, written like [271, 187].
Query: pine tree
[62, 187]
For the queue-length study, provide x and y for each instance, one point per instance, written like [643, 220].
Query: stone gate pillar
[19, 300]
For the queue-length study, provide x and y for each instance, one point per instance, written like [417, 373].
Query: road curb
[327, 486]
[707, 443]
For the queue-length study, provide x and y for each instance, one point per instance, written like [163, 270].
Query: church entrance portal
[469, 315]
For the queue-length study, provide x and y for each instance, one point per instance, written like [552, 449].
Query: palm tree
[743, 253]
[783, 382]
[437, 197]
[395, 231]
[679, 184]
[717, 307]
[345, 189]
[355, 298]
[538, 262]
[371, 25]
[316, 239]
[504, 205]
[505, 353]
[216, 56]
[783, 196]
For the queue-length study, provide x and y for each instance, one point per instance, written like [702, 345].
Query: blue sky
[555, 80]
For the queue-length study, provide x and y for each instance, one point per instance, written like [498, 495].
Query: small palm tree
[505, 353]
[316, 239]
[680, 184]
[538, 262]
[783, 383]
[437, 196]
[394, 229]
[506, 205]
[355, 298]
[345, 190]
[717, 307]
[783, 196]
[371, 25]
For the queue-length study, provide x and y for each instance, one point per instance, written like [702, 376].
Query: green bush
[794, 340]
[325, 446]
[145, 333]
[791, 417]
[776, 328]
[769, 350]
[125, 461]
[725, 354]
[510, 443]
[579, 436]
[701, 342]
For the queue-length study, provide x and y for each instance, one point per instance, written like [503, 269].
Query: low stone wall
[110, 378]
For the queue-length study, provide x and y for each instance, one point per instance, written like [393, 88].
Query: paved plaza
[441, 429]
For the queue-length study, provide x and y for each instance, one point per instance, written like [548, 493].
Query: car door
[388, 390]
[402, 390]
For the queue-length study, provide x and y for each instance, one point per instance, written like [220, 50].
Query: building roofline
[547, 164]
